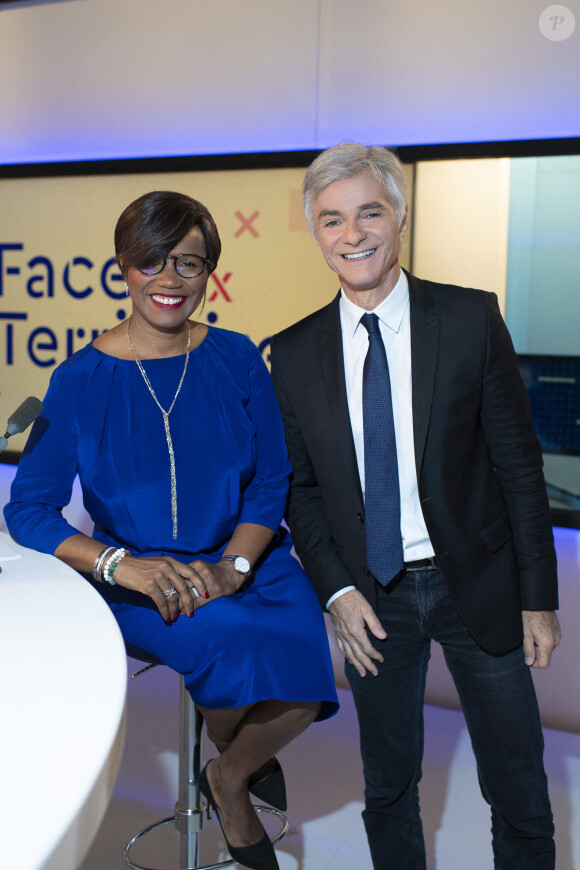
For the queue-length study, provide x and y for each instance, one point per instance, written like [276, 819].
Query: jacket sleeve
[517, 458]
[306, 513]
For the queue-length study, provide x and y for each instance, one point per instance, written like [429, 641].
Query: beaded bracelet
[97, 567]
[111, 563]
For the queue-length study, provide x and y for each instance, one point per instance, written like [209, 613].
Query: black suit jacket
[479, 464]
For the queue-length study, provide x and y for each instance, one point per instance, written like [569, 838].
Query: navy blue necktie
[382, 495]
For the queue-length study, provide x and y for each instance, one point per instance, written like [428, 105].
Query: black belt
[429, 564]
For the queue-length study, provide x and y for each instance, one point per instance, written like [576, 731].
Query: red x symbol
[247, 224]
[221, 287]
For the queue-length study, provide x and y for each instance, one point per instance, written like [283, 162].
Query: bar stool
[190, 807]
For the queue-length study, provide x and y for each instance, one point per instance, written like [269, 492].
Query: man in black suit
[459, 549]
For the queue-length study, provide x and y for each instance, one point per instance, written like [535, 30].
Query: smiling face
[165, 301]
[358, 233]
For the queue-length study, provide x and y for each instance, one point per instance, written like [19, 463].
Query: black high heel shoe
[258, 856]
[272, 789]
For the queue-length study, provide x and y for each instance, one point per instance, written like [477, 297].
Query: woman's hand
[195, 584]
[220, 579]
[155, 575]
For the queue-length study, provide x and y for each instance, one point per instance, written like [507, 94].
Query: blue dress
[100, 421]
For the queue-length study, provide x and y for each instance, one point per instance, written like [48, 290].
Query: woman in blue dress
[174, 431]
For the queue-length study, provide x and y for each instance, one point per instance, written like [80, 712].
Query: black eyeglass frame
[148, 270]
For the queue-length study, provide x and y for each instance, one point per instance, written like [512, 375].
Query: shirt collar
[390, 311]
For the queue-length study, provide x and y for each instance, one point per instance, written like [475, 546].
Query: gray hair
[348, 160]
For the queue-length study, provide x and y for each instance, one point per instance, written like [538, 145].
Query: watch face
[242, 565]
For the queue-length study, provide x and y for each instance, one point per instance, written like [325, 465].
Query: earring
[126, 289]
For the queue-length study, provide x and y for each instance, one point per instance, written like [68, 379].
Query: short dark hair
[152, 225]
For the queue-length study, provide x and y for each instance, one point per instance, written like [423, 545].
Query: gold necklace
[165, 418]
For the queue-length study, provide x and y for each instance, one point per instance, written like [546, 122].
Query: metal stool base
[190, 808]
[259, 809]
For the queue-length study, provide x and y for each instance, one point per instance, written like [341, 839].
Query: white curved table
[63, 681]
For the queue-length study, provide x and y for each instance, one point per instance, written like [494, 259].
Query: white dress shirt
[395, 326]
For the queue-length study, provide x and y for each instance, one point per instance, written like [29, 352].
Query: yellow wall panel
[58, 284]
[460, 229]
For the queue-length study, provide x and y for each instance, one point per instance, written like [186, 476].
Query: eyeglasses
[186, 265]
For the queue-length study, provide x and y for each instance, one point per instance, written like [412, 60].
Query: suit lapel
[331, 361]
[424, 343]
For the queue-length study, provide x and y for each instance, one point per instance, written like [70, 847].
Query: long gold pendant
[173, 478]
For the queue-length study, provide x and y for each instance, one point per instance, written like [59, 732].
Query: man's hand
[350, 613]
[542, 635]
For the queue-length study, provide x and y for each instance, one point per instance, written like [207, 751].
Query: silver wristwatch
[240, 563]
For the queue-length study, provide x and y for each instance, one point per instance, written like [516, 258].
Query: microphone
[21, 419]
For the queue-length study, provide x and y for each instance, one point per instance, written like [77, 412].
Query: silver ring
[195, 592]
[169, 592]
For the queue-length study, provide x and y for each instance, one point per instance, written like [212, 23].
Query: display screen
[553, 385]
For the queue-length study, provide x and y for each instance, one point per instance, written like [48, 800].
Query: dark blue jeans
[499, 703]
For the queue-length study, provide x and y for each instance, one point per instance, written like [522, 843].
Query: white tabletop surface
[62, 716]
